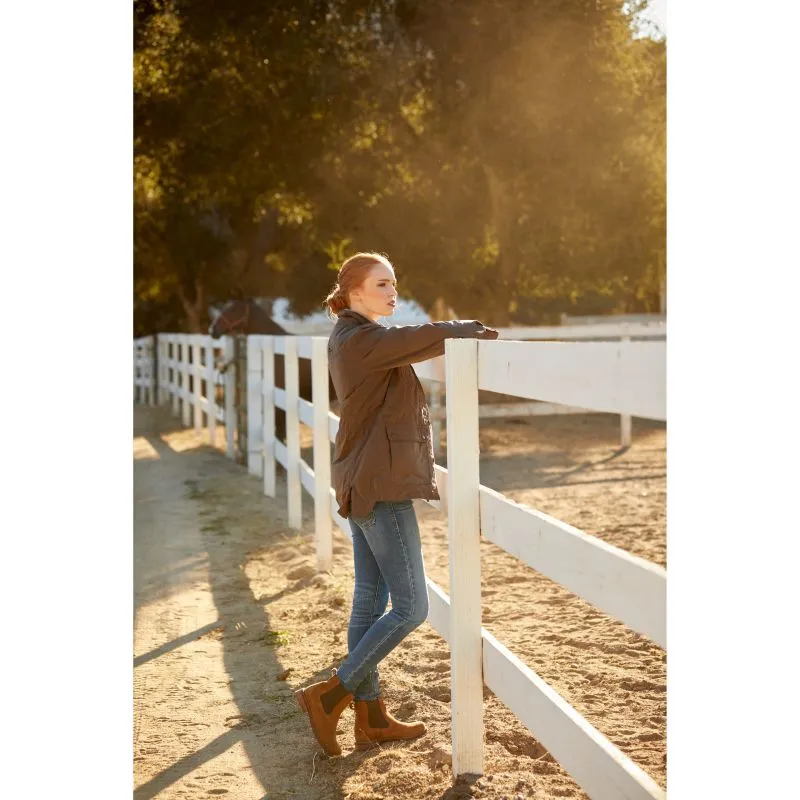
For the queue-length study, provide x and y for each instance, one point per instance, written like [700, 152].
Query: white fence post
[171, 377]
[151, 373]
[141, 359]
[135, 372]
[268, 413]
[185, 408]
[166, 391]
[211, 391]
[176, 377]
[625, 420]
[178, 374]
[175, 380]
[156, 367]
[293, 486]
[463, 511]
[196, 377]
[162, 355]
[322, 453]
[230, 396]
[255, 423]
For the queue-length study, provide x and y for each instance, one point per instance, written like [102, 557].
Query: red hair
[352, 275]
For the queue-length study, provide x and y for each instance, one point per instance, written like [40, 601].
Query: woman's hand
[482, 332]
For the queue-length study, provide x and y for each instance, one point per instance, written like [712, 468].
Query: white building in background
[408, 312]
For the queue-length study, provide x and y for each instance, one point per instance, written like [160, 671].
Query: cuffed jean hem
[349, 685]
[366, 699]
[369, 688]
[371, 694]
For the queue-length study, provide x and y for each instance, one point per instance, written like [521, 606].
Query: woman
[384, 458]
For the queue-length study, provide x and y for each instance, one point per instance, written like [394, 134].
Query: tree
[498, 152]
[547, 119]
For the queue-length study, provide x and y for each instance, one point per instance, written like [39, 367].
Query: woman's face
[377, 296]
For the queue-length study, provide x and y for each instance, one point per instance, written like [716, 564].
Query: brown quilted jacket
[383, 448]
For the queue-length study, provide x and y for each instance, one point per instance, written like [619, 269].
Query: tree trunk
[502, 291]
[440, 311]
[195, 310]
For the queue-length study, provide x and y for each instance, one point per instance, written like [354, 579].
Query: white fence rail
[603, 319]
[616, 377]
[431, 373]
[626, 377]
[603, 376]
[143, 371]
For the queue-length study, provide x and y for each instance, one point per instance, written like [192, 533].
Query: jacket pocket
[406, 432]
[409, 453]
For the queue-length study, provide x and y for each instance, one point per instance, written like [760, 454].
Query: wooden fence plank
[621, 377]
[626, 420]
[305, 347]
[307, 478]
[601, 769]
[186, 408]
[268, 413]
[333, 426]
[230, 397]
[281, 454]
[322, 451]
[464, 546]
[196, 378]
[305, 412]
[211, 391]
[176, 376]
[607, 330]
[293, 488]
[438, 610]
[255, 422]
[625, 586]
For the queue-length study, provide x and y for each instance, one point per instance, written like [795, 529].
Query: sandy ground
[227, 600]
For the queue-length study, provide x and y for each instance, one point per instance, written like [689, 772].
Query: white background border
[733, 440]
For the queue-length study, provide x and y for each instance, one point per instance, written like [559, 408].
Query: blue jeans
[388, 561]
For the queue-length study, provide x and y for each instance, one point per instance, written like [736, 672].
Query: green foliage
[502, 154]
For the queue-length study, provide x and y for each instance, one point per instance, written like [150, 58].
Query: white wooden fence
[623, 377]
[603, 319]
[617, 377]
[143, 376]
[432, 373]
[189, 376]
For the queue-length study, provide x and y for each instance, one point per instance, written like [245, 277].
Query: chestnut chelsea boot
[324, 703]
[374, 724]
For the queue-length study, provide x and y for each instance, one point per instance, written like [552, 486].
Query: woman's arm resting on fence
[384, 348]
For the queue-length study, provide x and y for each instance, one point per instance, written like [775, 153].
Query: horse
[244, 316]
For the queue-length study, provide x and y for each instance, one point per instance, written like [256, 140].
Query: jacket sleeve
[385, 348]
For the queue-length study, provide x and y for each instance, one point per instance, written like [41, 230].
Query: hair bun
[336, 300]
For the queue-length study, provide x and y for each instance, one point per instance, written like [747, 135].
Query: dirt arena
[231, 617]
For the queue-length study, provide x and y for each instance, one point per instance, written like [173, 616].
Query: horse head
[239, 317]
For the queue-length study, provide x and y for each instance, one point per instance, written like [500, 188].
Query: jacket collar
[357, 319]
